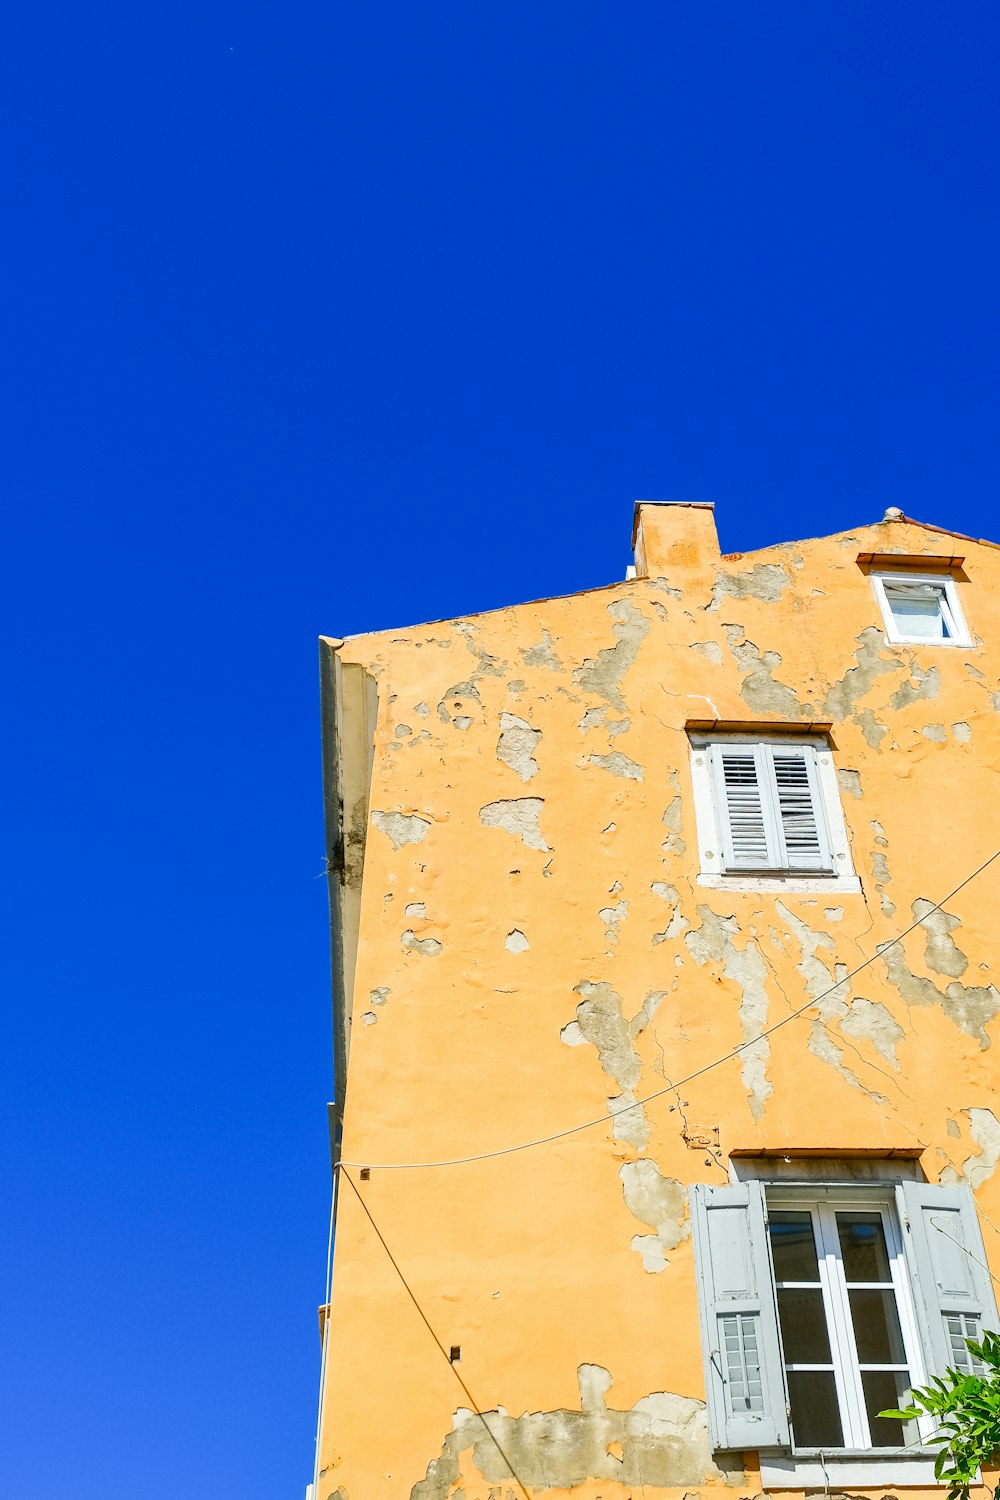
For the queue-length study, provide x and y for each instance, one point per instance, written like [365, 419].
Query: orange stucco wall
[534, 944]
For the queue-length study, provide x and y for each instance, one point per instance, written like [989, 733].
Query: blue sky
[324, 318]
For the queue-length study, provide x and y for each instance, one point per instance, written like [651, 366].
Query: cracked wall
[536, 953]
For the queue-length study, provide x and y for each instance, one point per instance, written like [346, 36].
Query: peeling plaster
[517, 745]
[759, 688]
[600, 1021]
[618, 764]
[711, 650]
[766, 581]
[429, 947]
[868, 1020]
[402, 828]
[519, 816]
[662, 1440]
[849, 783]
[822, 1045]
[970, 1007]
[712, 942]
[941, 952]
[843, 698]
[602, 674]
[935, 732]
[661, 1202]
[542, 655]
[380, 996]
[984, 1128]
[925, 682]
[962, 732]
[516, 942]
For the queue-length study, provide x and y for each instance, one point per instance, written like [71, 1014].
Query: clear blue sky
[326, 318]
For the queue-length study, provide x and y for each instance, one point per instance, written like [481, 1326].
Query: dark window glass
[804, 1335]
[815, 1413]
[885, 1389]
[876, 1328]
[793, 1246]
[862, 1244]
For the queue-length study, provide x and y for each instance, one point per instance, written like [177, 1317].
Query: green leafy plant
[966, 1409]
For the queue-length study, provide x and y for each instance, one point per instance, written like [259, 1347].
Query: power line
[409, 1292]
[460, 1161]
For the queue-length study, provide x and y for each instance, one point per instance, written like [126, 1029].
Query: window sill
[812, 884]
[795, 1471]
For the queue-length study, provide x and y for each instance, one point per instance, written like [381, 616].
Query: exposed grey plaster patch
[924, 682]
[833, 913]
[602, 674]
[941, 952]
[665, 588]
[678, 921]
[759, 688]
[712, 942]
[591, 719]
[880, 871]
[618, 726]
[403, 731]
[516, 942]
[818, 978]
[663, 1441]
[954, 1129]
[542, 655]
[849, 783]
[516, 685]
[962, 732]
[879, 832]
[402, 828]
[487, 665]
[421, 709]
[843, 698]
[868, 1020]
[766, 581]
[380, 996]
[609, 915]
[600, 1021]
[462, 721]
[822, 1045]
[934, 732]
[618, 764]
[970, 1007]
[517, 745]
[673, 845]
[873, 731]
[660, 1202]
[416, 909]
[369, 1018]
[711, 650]
[975, 672]
[984, 1128]
[519, 816]
[429, 947]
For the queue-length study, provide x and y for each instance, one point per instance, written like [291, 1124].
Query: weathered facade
[652, 840]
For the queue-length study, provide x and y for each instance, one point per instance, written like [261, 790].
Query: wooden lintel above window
[909, 562]
[758, 726]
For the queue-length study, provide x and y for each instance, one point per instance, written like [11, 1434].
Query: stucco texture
[534, 948]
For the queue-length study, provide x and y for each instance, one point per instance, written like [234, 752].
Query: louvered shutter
[947, 1261]
[749, 837]
[744, 1373]
[801, 825]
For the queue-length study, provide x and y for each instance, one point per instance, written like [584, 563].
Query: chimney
[674, 537]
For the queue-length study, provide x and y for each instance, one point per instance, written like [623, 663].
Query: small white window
[768, 807]
[920, 610]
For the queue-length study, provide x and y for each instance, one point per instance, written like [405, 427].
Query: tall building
[663, 930]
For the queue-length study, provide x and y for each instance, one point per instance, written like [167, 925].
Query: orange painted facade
[526, 942]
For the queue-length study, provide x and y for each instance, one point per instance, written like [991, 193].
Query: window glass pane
[917, 610]
[804, 1333]
[885, 1389]
[876, 1328]
[812, 1395]
[862, 1244]
[793, 1247]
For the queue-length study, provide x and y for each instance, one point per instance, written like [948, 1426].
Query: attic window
[920, 609]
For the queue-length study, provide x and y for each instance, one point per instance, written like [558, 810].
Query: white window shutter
[798, 808]
[744, 1372]
[947, 1261]
[746, 820]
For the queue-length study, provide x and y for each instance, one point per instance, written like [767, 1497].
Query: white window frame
[951, 609]
[827, 804]
[824, 1208]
